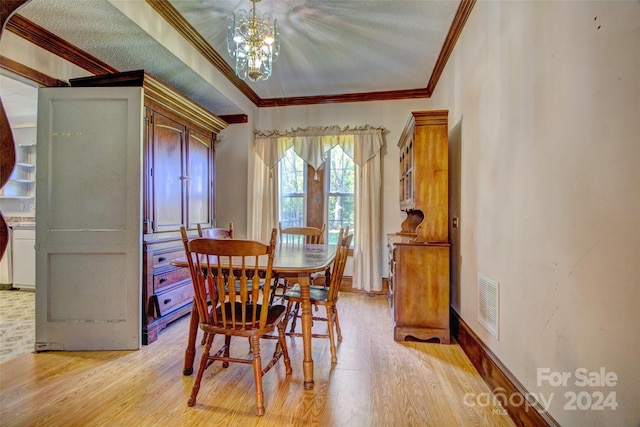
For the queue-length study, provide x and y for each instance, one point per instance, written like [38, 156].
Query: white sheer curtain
[363, 145]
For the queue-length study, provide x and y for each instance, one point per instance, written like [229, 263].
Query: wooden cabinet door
[199, 179]
[167, 189]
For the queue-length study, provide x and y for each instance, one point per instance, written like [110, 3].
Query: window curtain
[363, 145]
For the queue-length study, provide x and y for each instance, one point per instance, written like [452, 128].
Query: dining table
[290, 260]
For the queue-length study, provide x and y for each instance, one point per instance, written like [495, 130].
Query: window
[292, 173]
[340, 175]
[337, 201]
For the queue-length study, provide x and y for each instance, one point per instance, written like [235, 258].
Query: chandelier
[254, 43]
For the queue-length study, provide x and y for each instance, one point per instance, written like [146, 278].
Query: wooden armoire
[178, 189]
[419, 252]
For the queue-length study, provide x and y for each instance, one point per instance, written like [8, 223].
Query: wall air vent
[488, 304]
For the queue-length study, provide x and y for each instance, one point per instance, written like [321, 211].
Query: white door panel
[24, 259]
[88, 233]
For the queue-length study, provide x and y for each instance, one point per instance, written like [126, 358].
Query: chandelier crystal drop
[254, 44]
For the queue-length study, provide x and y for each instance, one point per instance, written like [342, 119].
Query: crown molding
[186, 30]
[348, 97]
[28, 73]
[58, 46]
[37, 35]
[235, 118]
[462, 14]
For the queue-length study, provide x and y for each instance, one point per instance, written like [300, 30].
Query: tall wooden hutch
[179, 189]
[419, 252]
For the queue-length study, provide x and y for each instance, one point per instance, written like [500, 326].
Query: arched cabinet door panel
[201, 179]
[167, 179]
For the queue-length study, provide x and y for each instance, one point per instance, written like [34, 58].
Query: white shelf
[17, 197]
[25, 165]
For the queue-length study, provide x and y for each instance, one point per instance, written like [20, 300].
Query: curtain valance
[311, 144]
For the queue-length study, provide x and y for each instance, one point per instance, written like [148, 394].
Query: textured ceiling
[338, 47]
[327, 47]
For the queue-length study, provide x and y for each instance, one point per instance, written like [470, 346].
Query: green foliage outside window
[292, 188]
[341, 185]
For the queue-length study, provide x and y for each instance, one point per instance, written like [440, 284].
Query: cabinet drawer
[163, 260]
[174, 299]
[168, 278]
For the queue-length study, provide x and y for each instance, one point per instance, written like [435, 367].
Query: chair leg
[337, 320]
[257, 374]
[332, 338]
[279, 284]
[227, 349]
[203, 365]
[283, 346]
[287, 315]
[294, 313]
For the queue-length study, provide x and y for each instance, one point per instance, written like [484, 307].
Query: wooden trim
[462, 14]
[56, 45]
[497, 376]
[29, 73]
[177, 21]
[347, 97]
[346, 285]
[7, 144]
[235, 118]
[8, 8]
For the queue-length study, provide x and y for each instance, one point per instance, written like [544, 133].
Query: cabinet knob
[164, 279]
[161, 259]
[167, 301]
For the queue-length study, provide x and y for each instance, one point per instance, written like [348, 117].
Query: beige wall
[544, 118]
[546, 98]
[544, 133]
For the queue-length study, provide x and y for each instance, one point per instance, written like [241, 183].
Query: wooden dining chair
[216, 232]
[323, 296]
[301, 235]
[229, 296]
[323, 278]
[293, 236]
[211, 233]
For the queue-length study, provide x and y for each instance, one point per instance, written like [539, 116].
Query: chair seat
[275, 314]
[317, 293]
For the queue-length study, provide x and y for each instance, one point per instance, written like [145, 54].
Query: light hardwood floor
[376, 382]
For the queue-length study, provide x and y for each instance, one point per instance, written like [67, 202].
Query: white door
[88, 210]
